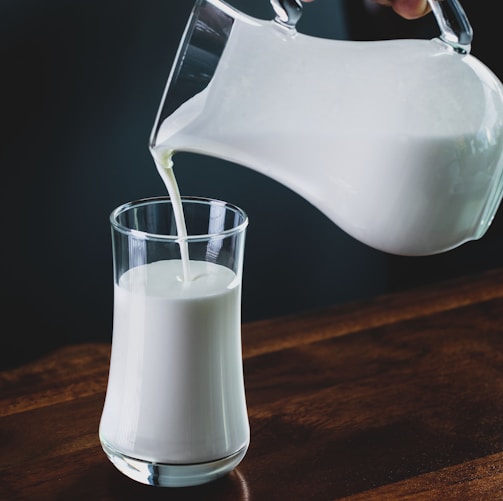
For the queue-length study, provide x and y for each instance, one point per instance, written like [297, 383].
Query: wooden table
[399, 397]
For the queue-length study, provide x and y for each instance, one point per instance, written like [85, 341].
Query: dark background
[80, 85]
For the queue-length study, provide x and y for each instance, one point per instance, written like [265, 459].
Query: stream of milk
[164, 163]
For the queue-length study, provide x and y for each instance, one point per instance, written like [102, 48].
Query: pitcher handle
[288, 12]
[455, 28]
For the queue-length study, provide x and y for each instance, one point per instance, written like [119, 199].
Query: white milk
[175, 391]
[164, 164]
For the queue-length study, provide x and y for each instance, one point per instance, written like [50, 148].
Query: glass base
[172, 475]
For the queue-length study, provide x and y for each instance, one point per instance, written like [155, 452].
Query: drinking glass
[175, 411]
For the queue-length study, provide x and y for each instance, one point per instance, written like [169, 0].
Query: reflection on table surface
[397, 396]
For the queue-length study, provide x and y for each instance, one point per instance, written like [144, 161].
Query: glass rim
[176, 238]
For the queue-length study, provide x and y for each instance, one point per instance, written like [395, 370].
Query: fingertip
[411, 9]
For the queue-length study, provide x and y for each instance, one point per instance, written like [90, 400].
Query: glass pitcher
[399, 142]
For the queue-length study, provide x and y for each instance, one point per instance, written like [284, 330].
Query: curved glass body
[175, 409]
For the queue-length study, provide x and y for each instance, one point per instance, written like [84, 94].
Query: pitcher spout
[204, 39]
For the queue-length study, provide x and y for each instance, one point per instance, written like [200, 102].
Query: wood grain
[398, 397]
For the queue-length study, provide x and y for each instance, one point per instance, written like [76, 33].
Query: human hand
[408, 9]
